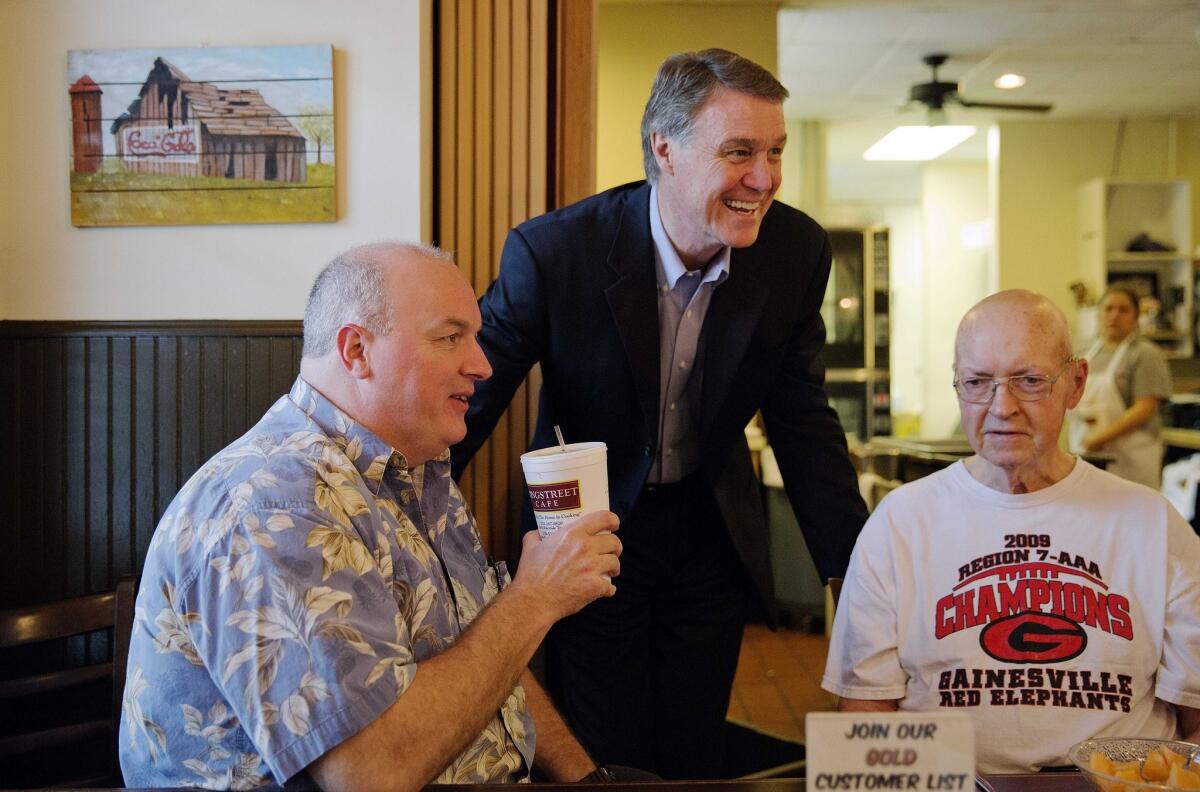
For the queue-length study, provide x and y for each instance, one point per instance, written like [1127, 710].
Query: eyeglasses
[1023, 387]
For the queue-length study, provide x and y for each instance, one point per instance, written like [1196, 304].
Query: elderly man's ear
[353, 344]
[1079, 375]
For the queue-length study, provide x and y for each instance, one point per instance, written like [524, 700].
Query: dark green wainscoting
[101, 423]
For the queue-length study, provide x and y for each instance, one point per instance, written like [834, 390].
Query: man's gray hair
[683, 84]
[351, 289]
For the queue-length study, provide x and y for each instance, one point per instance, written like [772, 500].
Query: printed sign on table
[922, 751]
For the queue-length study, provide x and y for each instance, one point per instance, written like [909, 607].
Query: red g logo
[1033, 637]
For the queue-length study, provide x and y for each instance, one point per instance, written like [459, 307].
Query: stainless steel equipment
[856, 315]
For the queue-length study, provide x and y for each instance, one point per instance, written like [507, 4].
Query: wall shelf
[1132, 257]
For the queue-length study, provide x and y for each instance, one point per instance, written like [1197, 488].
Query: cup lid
[554, 454]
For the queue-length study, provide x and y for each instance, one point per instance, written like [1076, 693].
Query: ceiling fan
[935, 94]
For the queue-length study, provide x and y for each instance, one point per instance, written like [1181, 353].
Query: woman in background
[1127, 380]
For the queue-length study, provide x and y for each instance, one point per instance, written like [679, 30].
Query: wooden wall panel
[511, 76]
[76, 472]
[479, 202]
[164, 371]
[10, 426]
[189, 382]
[100, 425]
[122, 535]
[575, 110]
[95, 530]
[144, 449]
[213, 385]
[540, 48]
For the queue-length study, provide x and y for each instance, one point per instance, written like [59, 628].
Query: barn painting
[208, 135]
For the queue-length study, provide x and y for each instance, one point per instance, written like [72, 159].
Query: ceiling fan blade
[1032, 107]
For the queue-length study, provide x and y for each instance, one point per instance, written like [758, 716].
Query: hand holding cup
[575, 564]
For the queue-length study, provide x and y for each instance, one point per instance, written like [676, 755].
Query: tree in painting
[315, 122]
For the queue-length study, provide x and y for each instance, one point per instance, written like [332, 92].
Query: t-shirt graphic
[1034, 606]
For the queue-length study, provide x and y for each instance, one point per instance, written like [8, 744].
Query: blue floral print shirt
[290, 593]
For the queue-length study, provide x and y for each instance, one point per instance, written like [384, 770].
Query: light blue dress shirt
[683, 299]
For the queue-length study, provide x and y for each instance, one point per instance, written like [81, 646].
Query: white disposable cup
[566, 484]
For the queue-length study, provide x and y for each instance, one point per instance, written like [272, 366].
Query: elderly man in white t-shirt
[1049, 599]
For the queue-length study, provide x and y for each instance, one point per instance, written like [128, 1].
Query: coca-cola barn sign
[178, 143]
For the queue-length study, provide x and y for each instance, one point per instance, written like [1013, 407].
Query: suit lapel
[633, 300]
[732, 316]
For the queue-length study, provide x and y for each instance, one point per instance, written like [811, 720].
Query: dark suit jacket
[577, 293]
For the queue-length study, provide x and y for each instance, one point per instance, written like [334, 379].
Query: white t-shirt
[1051, 617]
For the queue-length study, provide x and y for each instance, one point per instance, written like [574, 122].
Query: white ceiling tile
[1183, 19]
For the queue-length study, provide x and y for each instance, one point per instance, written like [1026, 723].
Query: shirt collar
[370, 454]
[670, 266]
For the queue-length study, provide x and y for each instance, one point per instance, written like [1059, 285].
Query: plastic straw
[558, 434]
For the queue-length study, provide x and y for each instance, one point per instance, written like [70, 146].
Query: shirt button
[672, 406]
[669, 452]
[683, 364]
[689, 313]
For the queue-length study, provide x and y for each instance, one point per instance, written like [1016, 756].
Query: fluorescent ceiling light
[1009, 81]
[918, 142]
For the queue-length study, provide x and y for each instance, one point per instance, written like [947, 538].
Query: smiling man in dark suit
[664, 314]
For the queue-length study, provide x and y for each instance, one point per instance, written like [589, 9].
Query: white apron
[1138, 453]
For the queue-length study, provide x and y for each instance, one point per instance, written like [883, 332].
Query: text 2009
[1026, 540]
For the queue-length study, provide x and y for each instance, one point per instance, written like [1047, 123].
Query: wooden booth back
[102, 423]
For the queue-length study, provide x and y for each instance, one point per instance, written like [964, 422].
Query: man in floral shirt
[306, 598]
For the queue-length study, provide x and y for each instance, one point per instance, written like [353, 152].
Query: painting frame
[184, 136]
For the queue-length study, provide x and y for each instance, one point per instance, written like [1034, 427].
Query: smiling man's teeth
[742, 206]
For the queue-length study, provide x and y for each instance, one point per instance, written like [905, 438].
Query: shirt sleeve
[295, 620]
[864, 659]
[1178, 678]
[1150, 375]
